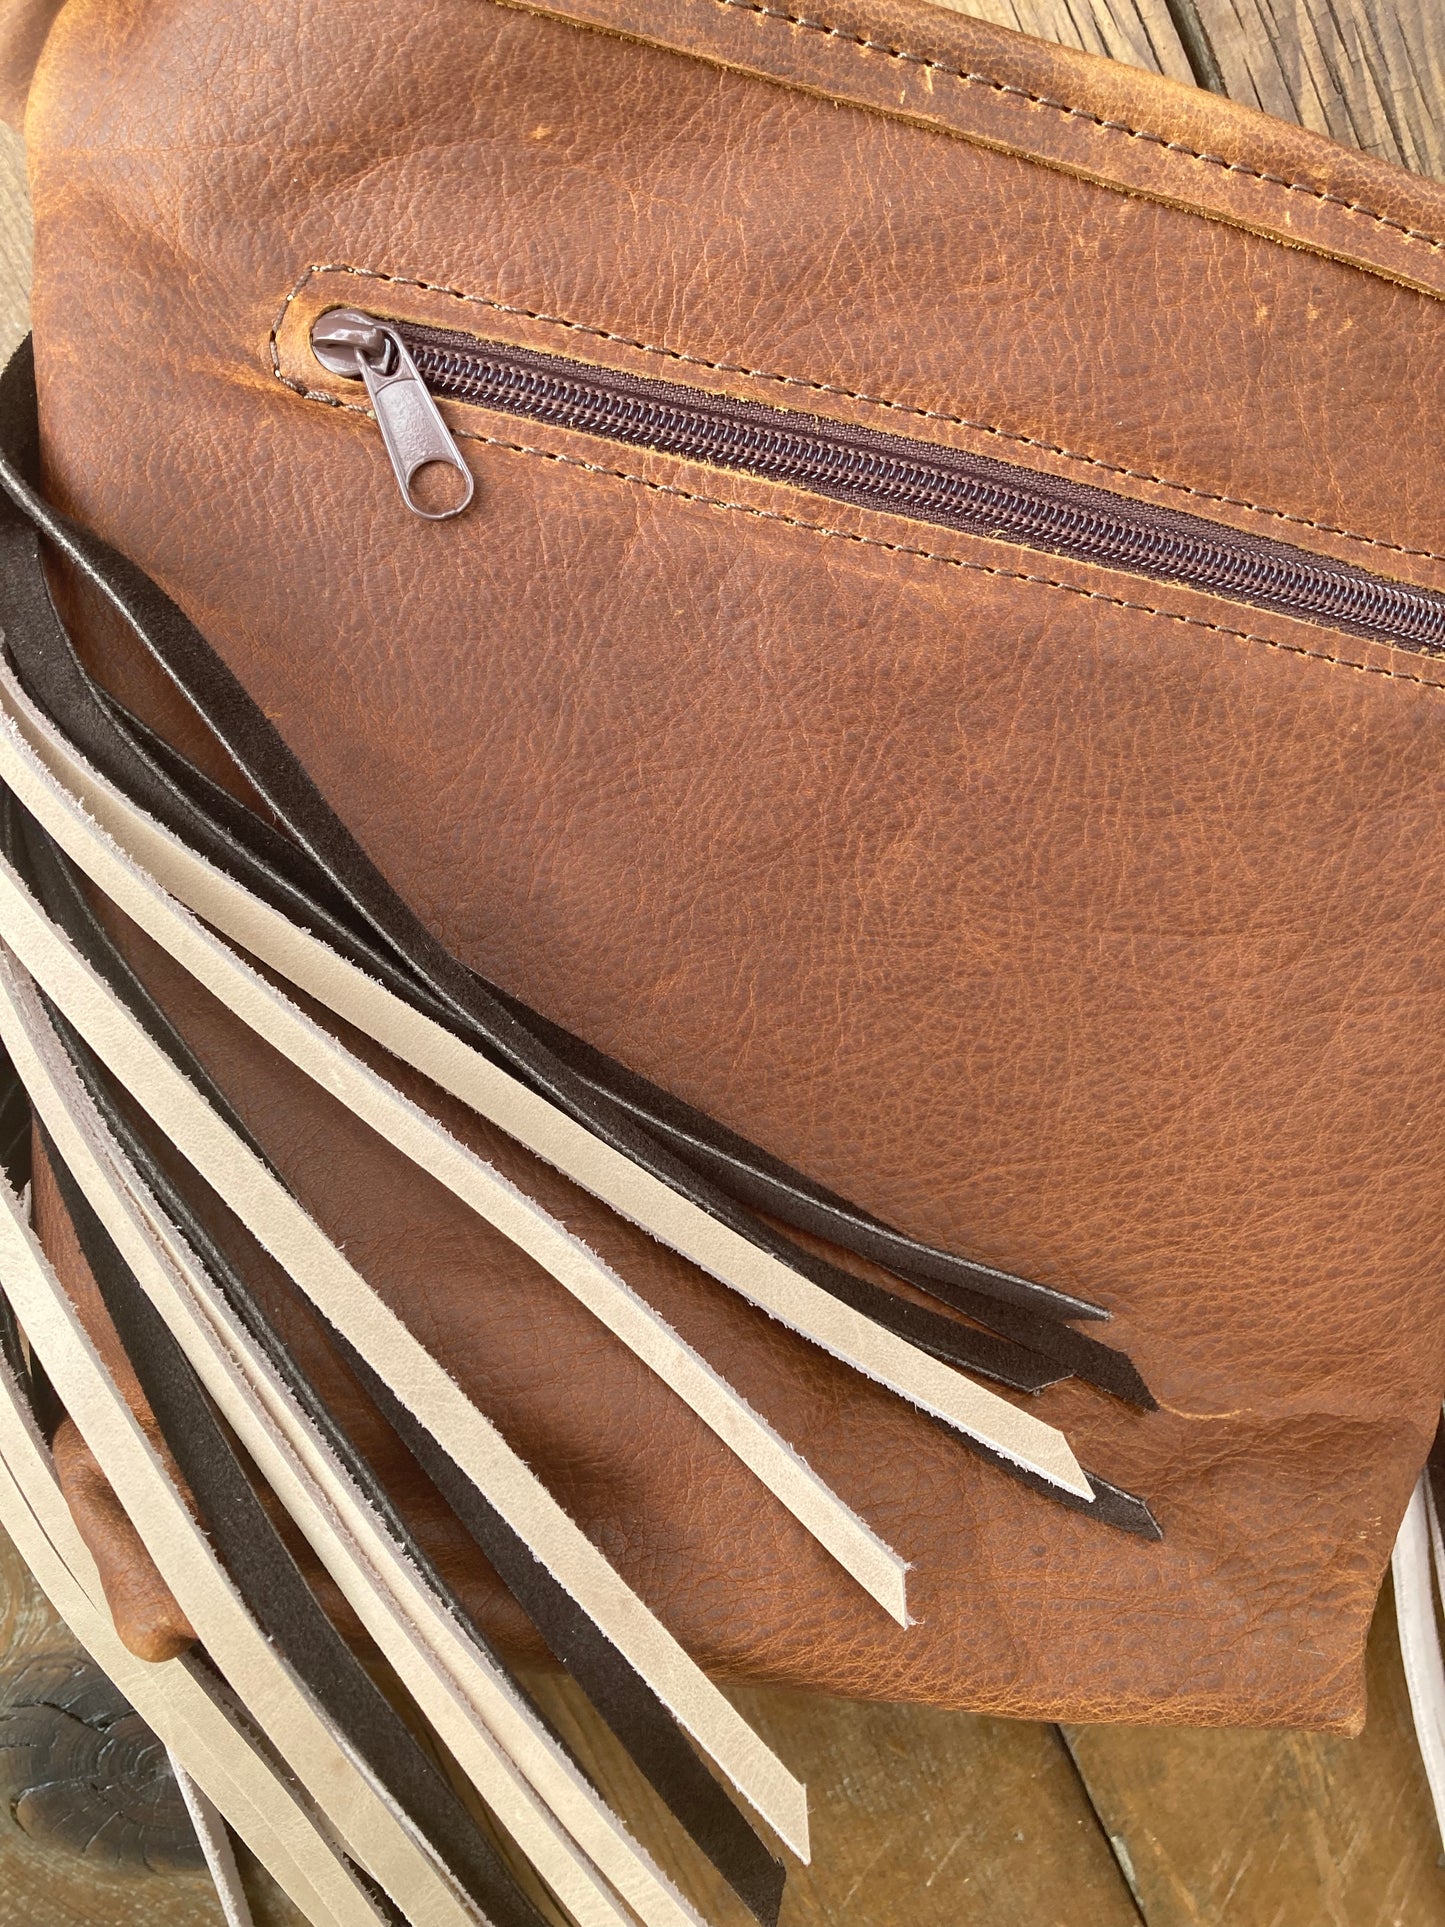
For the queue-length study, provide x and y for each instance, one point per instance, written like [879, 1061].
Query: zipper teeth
[949, 487]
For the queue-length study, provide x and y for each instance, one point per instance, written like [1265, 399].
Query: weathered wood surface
[947, 1820]
[1368, 72]
[64, 1859]
[1230, 1829]
[1140, 32]
[933, 1819]
[55, 1886]
[82, 1772]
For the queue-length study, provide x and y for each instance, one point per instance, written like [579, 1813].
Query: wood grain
[1275, 1829]
[1140, 32]
[29, 1626]
[936, 1819]
[1370, 73]
[56, 1881]
[42, 1886]
[81, 1771]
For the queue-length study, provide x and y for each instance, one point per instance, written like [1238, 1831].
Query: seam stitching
[847, 394]
[892, 548]
[868, 45]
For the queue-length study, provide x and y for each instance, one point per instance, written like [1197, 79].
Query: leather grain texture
[23, 27]
[1087, 926]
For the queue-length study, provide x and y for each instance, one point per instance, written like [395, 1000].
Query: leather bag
[925, 738]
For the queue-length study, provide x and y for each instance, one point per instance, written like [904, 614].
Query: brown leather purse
[832, 632]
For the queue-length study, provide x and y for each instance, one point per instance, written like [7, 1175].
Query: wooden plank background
[949, 1820]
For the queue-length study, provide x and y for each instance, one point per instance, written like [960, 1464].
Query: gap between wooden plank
[1198, 47]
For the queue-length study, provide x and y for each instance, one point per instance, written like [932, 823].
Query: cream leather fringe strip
[1410, 1562]
[53, 781]
[283, 1228]
[210, 1826]
[372, 1831]
[518, 1769]
[498, 1202]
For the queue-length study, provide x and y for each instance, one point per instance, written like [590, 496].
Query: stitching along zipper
[404, 366]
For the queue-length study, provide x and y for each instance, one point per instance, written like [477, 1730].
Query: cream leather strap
[362, 1817]
[514, 1763]
[210, 1825]
[152, 874]
[1418, 1547]
[320, 1269]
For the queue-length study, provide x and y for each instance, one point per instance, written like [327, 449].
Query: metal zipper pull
[359, 346]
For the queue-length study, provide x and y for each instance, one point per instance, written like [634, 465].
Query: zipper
[412, 430]
[404, 366]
